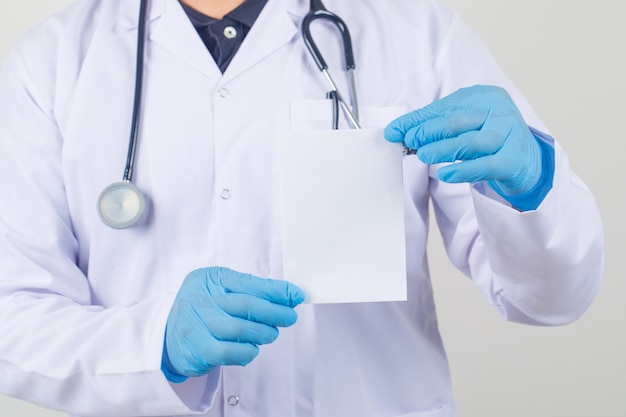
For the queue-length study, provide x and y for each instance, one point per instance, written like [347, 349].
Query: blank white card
[343, 217]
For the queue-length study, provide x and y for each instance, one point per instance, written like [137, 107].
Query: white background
[569, 59]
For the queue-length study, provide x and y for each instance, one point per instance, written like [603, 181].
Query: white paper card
[343, 216]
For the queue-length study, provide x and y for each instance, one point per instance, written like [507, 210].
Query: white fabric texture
[83, 307]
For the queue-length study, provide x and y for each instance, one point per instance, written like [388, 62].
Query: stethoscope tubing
[134, 129]
[318, 11]
[352, 117]
[121, 204]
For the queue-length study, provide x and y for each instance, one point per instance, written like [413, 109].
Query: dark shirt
[224, 37]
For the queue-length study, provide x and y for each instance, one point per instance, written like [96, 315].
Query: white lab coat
[83, 307]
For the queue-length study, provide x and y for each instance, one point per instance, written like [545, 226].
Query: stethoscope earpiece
[121, 205]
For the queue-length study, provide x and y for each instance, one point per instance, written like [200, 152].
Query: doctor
[157, 319]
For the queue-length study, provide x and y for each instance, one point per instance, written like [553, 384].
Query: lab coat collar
[128, 16]
[170, 27]
[273, 29]
[296, 8]
[129, 10]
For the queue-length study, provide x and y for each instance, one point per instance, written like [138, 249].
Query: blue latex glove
[481, 127]
[220, 316]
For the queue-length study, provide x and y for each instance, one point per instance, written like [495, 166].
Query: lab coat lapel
[128, 15]
[273, 29]
[175, 32]
[170, 28]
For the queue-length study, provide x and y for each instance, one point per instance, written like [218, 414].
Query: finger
[208, 352]
[252, 308]
[467, 146]
[274, 291]
[446, 126]
[234, 329]
[397, 129]
[231, 353]
[226, 318]
[218, 352]
[491, 167]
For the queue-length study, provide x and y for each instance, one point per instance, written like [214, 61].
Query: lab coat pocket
[443, 411]
[316, 114]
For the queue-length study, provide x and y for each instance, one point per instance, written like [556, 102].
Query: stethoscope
[317, 11]
[121, 204]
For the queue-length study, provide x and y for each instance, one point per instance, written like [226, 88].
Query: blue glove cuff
[533, 198]
[166, 367]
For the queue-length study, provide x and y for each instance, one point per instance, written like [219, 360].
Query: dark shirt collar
[246, 14]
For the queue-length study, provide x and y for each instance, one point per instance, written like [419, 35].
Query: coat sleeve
[538, 267]
[57, 349]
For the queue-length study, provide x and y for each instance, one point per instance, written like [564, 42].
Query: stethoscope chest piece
[121, 205]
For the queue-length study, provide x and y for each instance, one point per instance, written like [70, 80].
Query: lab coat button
[223, 92]
[233, 400]
[230, 32]
[225, 194]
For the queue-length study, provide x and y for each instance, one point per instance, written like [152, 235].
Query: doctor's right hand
[220, 316]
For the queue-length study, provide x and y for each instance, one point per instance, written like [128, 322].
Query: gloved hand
[220, 316]
[481, 127]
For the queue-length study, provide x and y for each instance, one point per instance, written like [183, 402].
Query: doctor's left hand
[482, 128]
[220, 316]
